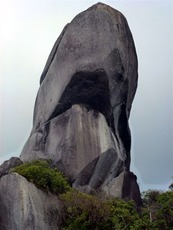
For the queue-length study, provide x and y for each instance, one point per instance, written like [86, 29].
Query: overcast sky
[29, 29]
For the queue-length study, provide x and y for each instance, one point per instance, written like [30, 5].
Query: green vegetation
[83, 211]
[43, 176]
[159, 206]
[87, 212]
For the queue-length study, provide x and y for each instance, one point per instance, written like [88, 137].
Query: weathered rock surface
[124, 186]
[79, 141]
[24, 206]
[7, 165]
[84, 100]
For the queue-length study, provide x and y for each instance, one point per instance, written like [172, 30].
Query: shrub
[43, 176]
[150, 196]
[159, 206]
[83, 211]
[165, 212]
[86, 212]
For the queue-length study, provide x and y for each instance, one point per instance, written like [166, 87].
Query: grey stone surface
[7, 165]
[125, 186]
[24, 206]
[83, 104]
[77, 138]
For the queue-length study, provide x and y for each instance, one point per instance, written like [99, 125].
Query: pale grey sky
[29, 29]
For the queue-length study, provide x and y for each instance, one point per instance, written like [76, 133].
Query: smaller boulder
[125, 186]
[25, 207]
[7, 165]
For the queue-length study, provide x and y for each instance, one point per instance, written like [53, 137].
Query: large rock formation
[84, 100]
[80, 118]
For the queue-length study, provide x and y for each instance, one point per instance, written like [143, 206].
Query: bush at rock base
[43, 176]
[83, 211]
[86, 212]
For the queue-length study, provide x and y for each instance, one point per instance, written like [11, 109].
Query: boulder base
[24, 206]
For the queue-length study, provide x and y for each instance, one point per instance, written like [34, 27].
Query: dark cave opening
[90, 89]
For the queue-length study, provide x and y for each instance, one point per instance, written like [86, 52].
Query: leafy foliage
[149, 197]
[124, 215]
[83, 211]
[41, 174]
[159, 206]
[88, 212]
[165, 212]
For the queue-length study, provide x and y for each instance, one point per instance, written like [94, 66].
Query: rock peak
[80, 120]
[100, 5]
[83, 103]
[104, 7]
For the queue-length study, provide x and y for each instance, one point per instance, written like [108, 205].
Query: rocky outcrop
[124, 186]
[24, 206]
[7, 165]
[84, 100]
